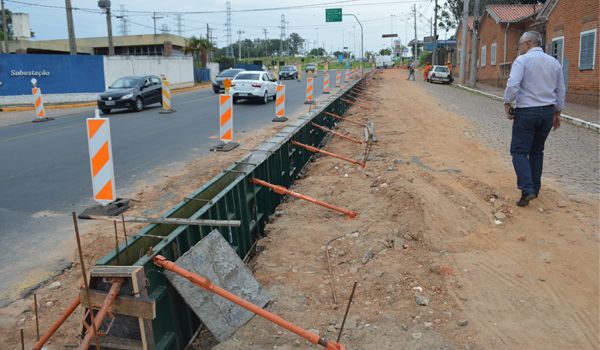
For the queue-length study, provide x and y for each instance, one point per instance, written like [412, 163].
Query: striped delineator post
[326, 82]
[347, 76]
[309, 89]
[101, 159]
[40, 111]
[225, 124]
[299, 76]
[166, 97]
[338, 78]
[280, 104]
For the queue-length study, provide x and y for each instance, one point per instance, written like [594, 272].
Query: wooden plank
[114, 271]
[123, 305]
[167, 221]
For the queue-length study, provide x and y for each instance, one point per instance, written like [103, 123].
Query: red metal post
[283, 191]
[317, 150]
[352, 139]
[206, 284]
[345, 119]
[104, 309]
[56, 325]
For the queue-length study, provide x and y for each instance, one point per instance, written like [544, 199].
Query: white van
[384, 61]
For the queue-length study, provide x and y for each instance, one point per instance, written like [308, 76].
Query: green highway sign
[333, 15]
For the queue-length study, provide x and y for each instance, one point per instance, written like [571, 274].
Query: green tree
[452, 10]
[318, 52]
[9, 27]
[295, 43]
[199, 48]
[385, 52]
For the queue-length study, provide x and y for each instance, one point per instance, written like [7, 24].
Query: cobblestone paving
[572, 154]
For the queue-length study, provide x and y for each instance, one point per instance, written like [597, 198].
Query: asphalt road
[45, 171]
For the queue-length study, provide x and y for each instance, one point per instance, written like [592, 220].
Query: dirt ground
[436, 225]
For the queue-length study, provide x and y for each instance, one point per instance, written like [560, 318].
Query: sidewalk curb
[90, 104]
[576, 121]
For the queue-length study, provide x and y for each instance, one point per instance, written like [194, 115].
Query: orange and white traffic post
[166, 96]
[338, 78]
[101, 159]
[326, 82]
[309, 89]
[225, 123]
[280, 104]
[40, 111]
[347, 77]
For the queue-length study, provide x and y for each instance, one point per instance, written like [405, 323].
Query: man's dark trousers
[531, 127]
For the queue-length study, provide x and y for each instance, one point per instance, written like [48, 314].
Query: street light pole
[105, 4]
[361, 37]
[4, 30]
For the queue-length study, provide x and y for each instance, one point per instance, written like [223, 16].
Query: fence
[228, 196]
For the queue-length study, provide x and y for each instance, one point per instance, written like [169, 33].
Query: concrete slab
[214, 259]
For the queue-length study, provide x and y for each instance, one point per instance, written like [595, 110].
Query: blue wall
[55, 74]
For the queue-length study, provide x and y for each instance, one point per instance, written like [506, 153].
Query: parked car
[217, 84]
[311, 67]
[131, 92]
[439, 73]
[288, 72]
[254, 85]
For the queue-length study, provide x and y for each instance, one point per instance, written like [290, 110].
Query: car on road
[217, 84]
[131, 92]
[288, 72]
[254, 85]
[311, 67]
[439, 73]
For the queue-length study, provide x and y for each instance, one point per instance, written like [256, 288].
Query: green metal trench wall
[227, 196]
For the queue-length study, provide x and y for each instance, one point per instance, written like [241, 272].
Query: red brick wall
[456, 68]
[569, 18]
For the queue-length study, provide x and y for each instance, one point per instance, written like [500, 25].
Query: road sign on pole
[389, 35]
[333, 15]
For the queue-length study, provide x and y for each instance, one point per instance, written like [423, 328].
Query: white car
[439, 73]
[254, 85]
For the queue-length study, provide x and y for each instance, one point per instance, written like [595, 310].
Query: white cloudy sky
[48, 19]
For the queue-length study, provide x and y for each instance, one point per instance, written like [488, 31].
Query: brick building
[570, 28]
[500, 28]
[456, 68]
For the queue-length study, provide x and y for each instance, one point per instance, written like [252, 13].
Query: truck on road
[384, 61]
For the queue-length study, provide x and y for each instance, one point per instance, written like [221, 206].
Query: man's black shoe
[525, 198]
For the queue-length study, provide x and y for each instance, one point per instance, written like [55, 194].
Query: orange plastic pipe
[99, 317]
[283, 191]
[318, 150]
[352, 139]
[345, 119]
[56, 325]
[206, 284]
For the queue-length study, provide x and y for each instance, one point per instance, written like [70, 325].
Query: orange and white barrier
[338, 78]
[326, 82]
[347, 77]
[166, 95]
[280, 104]
[316, 70]
[225, 118]
[101, 159]
[299, 76]
[40, 111]
[309, 89]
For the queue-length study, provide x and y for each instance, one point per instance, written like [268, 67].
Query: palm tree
[199, 48]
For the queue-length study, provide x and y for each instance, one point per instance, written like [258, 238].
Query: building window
[483, 54]
[493, 54]
[556, 49]
[587, 49]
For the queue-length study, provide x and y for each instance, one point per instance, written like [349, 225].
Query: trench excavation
[136, 306]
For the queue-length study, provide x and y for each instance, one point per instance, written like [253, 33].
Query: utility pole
[154, 17]
[71, 28]
[179, 24]
[463, 43]
[240, 32]
[4, 30]
[474, 47]
[416, 41]
[434, 51]
[124, 27]
[228, 25]
[105, 5]
[282, 36]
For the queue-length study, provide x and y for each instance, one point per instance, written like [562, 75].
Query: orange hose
[206, 284]
[283, 191]
[345, 119]
[352, 139]
[318, 150]
[99, 317]
[56, 325]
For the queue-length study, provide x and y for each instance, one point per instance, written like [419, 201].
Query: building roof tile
[512, 12]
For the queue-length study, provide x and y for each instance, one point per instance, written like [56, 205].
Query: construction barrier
[326, 82]
[338, 78]
[166, 96]
[299, 76]
[101, 159]
[227, 196]
[225, 118]
[347, 76]
[309, 89]
[280, 104]
[40, 111]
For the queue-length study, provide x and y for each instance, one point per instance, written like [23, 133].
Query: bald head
[532, 37]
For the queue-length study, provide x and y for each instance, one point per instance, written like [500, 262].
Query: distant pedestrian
[536, 84]
[449, 65]
[411, 71]
[426, 70]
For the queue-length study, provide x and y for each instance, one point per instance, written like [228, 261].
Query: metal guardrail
[227, 196]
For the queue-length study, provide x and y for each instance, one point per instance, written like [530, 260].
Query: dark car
[288, 72]
[217, 84]
[311, 67]
[131, 92]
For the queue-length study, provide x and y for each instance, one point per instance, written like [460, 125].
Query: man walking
[537, 86]
[411, 71]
